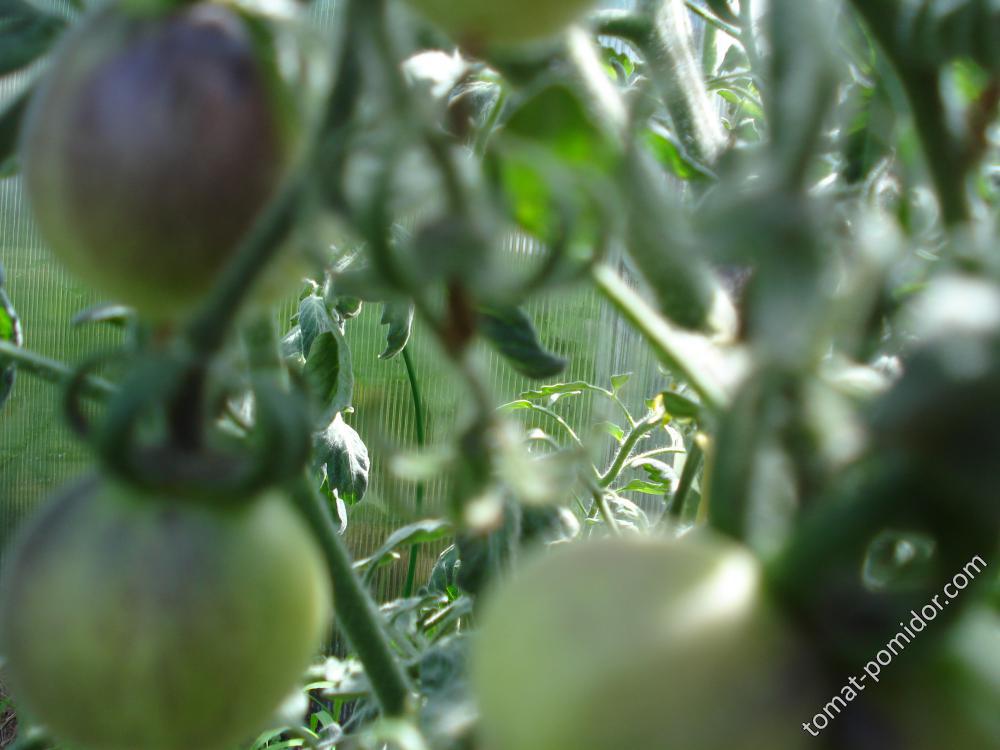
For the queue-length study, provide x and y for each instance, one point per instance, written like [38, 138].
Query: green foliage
[792, 211]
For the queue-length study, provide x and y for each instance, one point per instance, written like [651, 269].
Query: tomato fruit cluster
[151, 148]
[131, 621]
[639, 644]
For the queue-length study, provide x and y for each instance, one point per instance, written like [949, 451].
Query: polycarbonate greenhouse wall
[38, 453]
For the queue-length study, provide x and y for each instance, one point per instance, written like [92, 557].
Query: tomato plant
[160, 622]
[687, 354]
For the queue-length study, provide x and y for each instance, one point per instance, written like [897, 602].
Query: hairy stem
[700, 362]
[357, 614]
[627, 446]
[52, 371]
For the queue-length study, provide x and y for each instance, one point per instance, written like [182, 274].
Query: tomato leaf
[511, 331]
[399, 317]
[421, 532]
[618, 381]
[328, 373]
[558, 118]
[680, 407]
[26, 33]
[341, 458]
[314, 319]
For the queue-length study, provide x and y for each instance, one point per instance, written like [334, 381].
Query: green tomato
[641, 644]
[494, 22]
[134, 622]
[150, 149]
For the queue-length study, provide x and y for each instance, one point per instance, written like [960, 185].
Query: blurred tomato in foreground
[640, 644]
[156, 623]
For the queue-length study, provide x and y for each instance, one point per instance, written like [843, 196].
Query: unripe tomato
[156, 623]
[494, 22]
[639, 644]
[150, 149]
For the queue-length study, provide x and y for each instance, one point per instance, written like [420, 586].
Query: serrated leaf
[340, 455]
[399, 317]
[444, 574]
[26, 33]
[314, 319]
[421, 532]
[328, 373]
[511, 331]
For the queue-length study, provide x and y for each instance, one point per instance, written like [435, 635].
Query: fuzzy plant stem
[421, 429]
[670, 54]
[693, 357]
[625, 451]
[51, 370]
[357, 614]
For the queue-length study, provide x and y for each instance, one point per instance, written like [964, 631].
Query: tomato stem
[357, 613]
[692, 464]
[52, 370]
[418, 411]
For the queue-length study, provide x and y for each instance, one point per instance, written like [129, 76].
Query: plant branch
[601, 505]
[52, 371]
[701, 363]
[357, 614]
[692, 464]
[625, 450]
